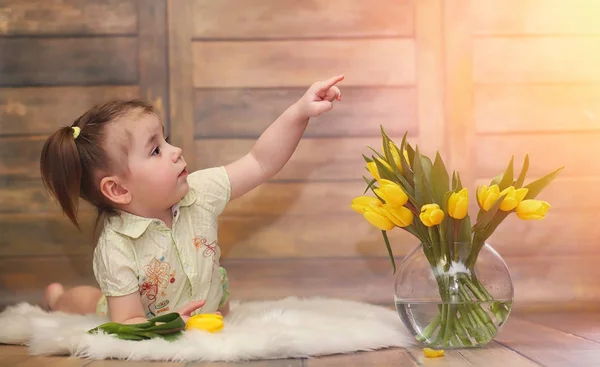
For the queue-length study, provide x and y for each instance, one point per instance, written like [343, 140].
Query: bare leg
[80, 300]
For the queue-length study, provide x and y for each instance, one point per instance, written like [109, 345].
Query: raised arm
[278, 142]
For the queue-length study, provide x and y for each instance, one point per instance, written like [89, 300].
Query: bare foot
[51, 295]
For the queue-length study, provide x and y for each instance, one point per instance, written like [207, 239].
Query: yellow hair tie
[76, 131]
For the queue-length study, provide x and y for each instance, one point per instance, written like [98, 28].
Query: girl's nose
[177, 153]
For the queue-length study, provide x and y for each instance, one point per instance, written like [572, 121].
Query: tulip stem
[445, 250]
[436, 250]
[412, 208]
[463, 317]
[455, 242]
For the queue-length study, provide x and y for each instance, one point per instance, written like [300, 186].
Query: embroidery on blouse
[202, 244]
[158, 277]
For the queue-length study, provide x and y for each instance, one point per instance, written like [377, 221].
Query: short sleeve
[114, 265]
[212, 188]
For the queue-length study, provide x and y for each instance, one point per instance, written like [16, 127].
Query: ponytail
[60, 165]
[73, 157]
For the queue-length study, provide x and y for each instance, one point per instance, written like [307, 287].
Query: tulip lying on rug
[287, 328]
[168, 327]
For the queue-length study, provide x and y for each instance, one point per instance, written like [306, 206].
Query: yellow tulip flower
[405, 154]
[487, 196]
[400, 216]
[359, 203]
[391, 193]
[372, 167]
[371, 208]
[378, 219]
[458, 204]
[396, 156]
[513, 197]
[208, 322]
[431, 214]
[532, 209]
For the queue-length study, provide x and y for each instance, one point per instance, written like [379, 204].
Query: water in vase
[454, 325]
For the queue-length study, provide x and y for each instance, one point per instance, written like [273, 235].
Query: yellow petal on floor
[432, 353]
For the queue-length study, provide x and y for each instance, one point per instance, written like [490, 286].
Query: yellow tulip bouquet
[416, 194]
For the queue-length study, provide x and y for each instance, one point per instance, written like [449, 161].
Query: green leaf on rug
[169, 328]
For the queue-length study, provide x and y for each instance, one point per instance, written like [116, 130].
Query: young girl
[157, 250]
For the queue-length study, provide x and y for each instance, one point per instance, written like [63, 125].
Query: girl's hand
[319, 97]
[185, 310]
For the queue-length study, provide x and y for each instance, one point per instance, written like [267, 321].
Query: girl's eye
[167, 139]
[156, 151]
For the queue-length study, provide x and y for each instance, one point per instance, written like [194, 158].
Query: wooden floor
[542, 339]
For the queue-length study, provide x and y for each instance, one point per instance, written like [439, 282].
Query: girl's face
[157, 177]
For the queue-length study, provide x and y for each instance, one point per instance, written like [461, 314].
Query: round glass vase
[452, 304]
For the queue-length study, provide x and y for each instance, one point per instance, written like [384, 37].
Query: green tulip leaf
[496, 180]
[444, 203]
[410, 151]
[507, 178]
[408, 173]
[487, 216]
[389, 249]
[422, 189]
[384, 171]
[464, 230]
[459, 185]
[388, 154]
[370, 184]
[493, 224]
[377, 154]
[538, 185]
[440, 180]
[454, 182]
[521, 178]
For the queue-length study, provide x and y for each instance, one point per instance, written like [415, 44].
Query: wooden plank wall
[535, 90]
[476, 80]
[493, 106]
[249, 65]
[59, 58]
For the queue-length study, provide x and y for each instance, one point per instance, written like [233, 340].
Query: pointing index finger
[331, 82]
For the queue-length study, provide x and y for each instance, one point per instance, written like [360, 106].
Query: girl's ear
[112, 189]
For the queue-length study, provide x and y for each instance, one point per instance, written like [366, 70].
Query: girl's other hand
[185, 310]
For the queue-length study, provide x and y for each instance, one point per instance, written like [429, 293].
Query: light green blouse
[168, 267]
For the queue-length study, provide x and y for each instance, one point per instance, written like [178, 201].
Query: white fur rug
[287, 328]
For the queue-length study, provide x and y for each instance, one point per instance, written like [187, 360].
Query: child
[157, 249]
